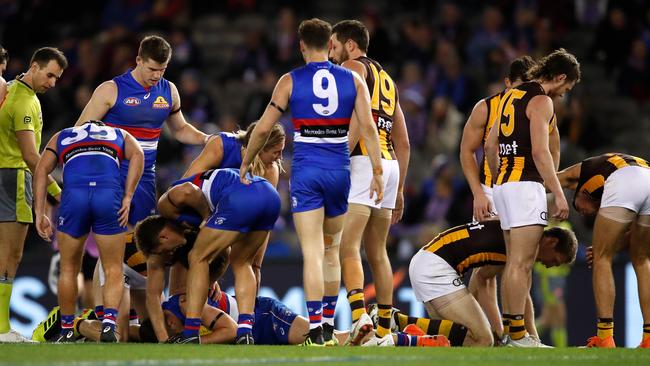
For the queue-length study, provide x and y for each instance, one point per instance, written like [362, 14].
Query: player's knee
[196, 256]
[639, 261]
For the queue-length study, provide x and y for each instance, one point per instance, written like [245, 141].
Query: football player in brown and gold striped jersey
[616, 188]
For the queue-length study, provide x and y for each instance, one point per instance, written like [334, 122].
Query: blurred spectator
[590, 12]
[252, 58]
[127, 13]
[185, 55]
[445, 126]
[285, 40]
[634, 80]
[613, 39]
[454, 84]
[451, 26]
[256, 102]
[488, 36]
[381, 45]
[197, 105]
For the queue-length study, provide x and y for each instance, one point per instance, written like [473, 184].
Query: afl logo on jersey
[132, 101]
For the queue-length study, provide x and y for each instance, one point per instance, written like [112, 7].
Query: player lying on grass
[615, 188]
[436, 273]
[236, 215]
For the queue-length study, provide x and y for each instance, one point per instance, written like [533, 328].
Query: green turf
[144, 355]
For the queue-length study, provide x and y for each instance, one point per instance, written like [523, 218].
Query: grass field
[134, 354]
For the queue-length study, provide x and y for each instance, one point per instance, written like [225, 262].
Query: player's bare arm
[356, 66]
[273, 112]
[186, 195]
[210, 157]
[155, 286]
[102, 100]
[540, 112]
[368, 131]
[471, 142]
[181, 129]
[45, 165]
[29, 151]
[570, 176]
[492, 151]
[554, 146]
[402, 146]
[132, 152]
[483, 286]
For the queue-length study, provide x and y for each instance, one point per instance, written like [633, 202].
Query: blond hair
[276, 136]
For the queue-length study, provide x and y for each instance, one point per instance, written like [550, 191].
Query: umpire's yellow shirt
[21, 111]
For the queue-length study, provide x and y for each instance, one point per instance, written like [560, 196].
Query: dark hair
[155, 48]
[557, 63]
[567, 243]
[146, 332]
[4, 55]
[146, 233]
[352, 30]
[315, 33]
[519, 68]
[44, 55]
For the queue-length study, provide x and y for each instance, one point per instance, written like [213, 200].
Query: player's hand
[377, 188]
[124, 211]
[589, 255]
[482, 208]
[398, 211]
[562, 207]
[214, 292]
[244, 170]
[44, 227]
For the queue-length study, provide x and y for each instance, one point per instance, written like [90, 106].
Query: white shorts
[132, 279]
[628, 187]
[432, 277]
[361, 176]
[489, 193]
[521, 204]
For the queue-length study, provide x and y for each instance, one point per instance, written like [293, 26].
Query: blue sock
[110, 316]
[67, 323]
[405, 340]
[329, 305]
[315, 311]
[192, 326]
[99, 311]
[245, 324]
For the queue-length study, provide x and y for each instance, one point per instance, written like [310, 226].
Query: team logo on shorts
[160, 103]
[457, 282]
[543, 215]
[131, 101]
[61, 220]
[219, 220]
[294, 201]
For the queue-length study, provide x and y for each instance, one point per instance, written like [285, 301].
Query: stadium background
[444, 55]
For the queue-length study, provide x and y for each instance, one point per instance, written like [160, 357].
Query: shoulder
[106, 90]
[356, 66]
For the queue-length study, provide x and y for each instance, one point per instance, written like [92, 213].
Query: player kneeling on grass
[237, 216]
[615, 188]
[436, 273]
[95, 196]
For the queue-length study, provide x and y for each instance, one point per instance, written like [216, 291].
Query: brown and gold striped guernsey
[134, 257]
[470, 245]
[515, 147]
[383, 102]
[594, 172]
[492, 102]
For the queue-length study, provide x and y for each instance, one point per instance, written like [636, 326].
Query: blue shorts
[246, 208]
[272, 321]
[143, 203]
[83, 208]
[313, 188]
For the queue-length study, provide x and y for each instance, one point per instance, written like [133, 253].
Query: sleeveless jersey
[231, 157]
[91, 155]
[133, 257]
[383, 101]
[470, 245]
[141, 112]
[322, 101]
[594, 172]
[492, 102]
[515, 146]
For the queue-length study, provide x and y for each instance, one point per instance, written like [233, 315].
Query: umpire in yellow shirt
[21, 123]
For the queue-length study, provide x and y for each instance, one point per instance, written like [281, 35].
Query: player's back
[595, 171]
[91, 155]
[383, 102]
[322, 101]
[492, 103]
[231, 154]
[141, 112]
[470, 245]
